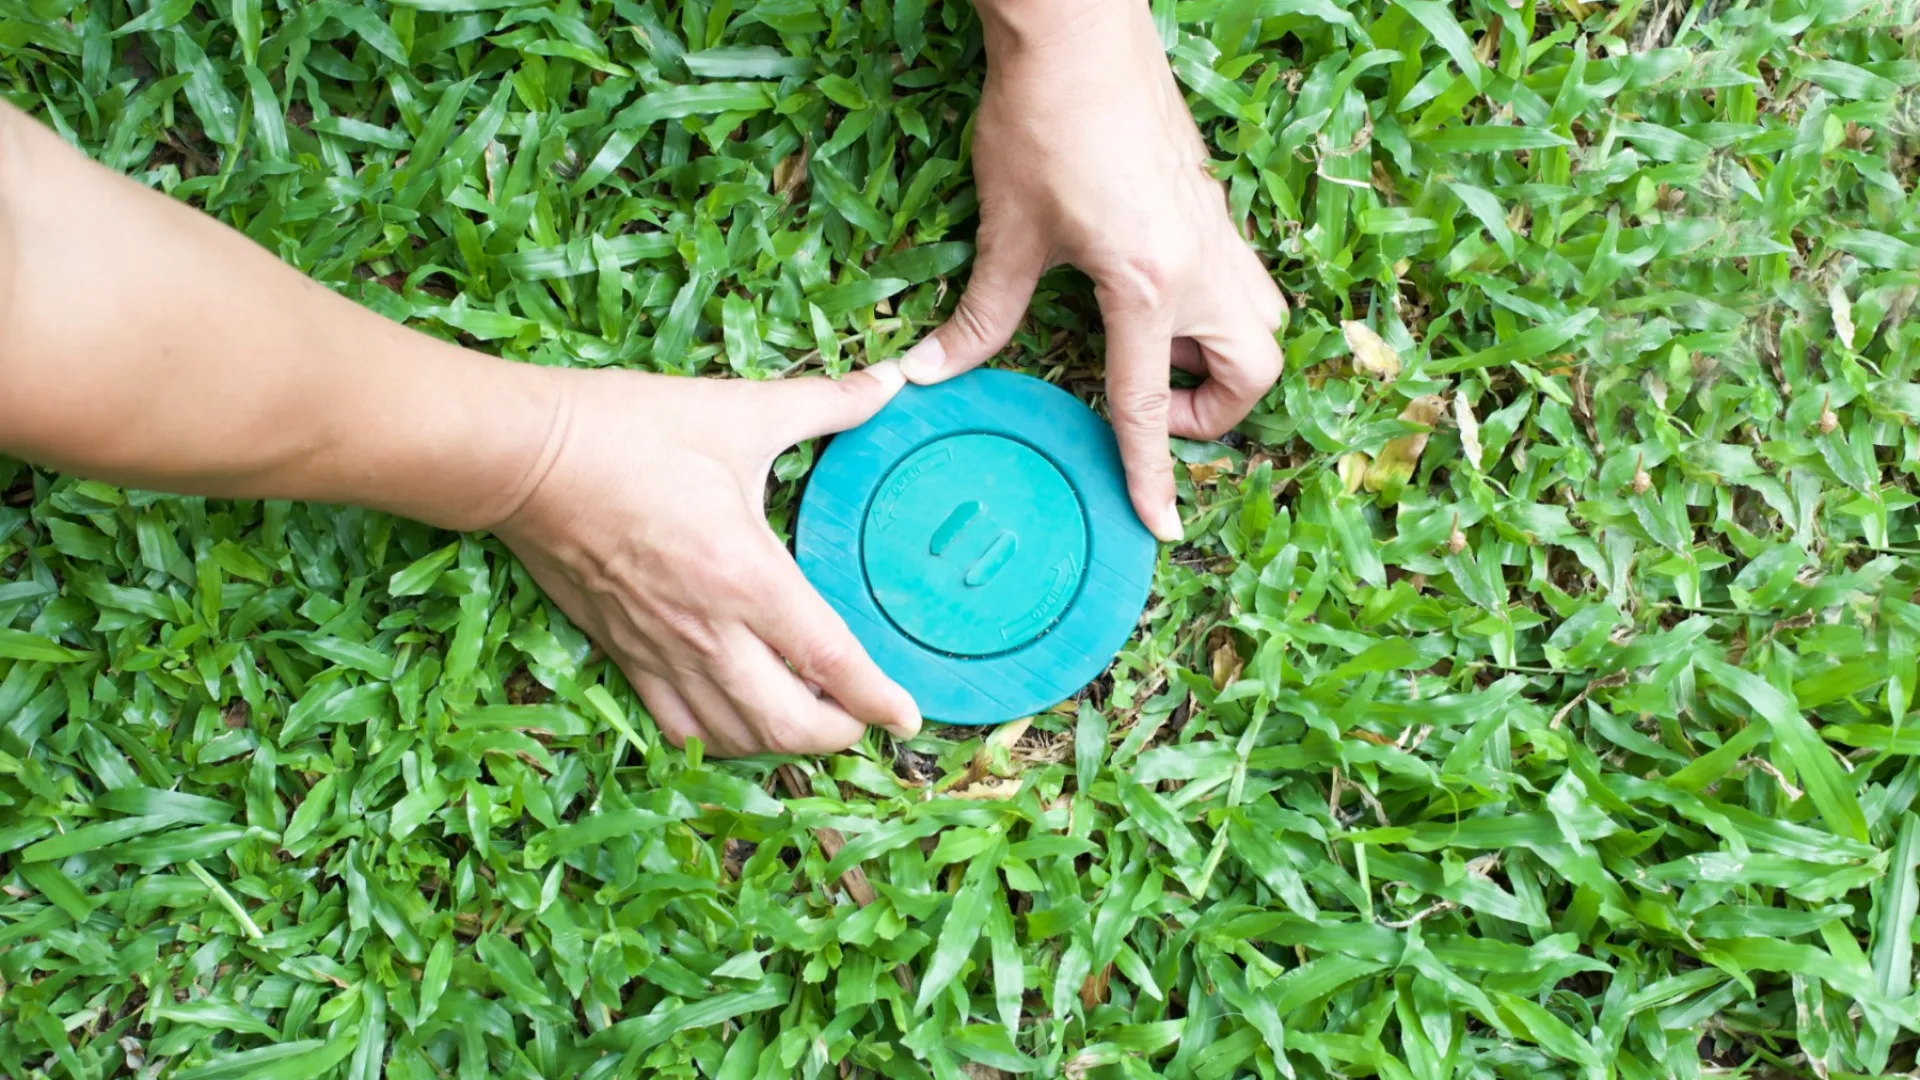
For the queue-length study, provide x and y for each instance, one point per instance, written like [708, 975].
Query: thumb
[989, 312]
[796, 409]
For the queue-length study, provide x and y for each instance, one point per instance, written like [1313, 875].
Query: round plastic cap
[978, 539]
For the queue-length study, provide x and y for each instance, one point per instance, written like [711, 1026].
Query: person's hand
[648, 530]
[1084, 153]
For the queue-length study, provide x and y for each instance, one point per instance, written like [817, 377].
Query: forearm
[144, 343]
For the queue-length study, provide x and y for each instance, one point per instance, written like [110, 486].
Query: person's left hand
[1084, 153]
[647, 527]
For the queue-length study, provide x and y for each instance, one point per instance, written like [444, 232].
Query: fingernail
[909, 725]
[1169, 528]
[889, 375]
[923, 362]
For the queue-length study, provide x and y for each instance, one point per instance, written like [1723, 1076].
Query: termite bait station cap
[978, 540]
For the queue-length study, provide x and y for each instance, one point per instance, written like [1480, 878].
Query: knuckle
[733, 552]
[1151, 275]
[696, 636]
[740, 572]
[826, 658]
[975, 322]
[1144, 282]
[1142, 407]
[1212, 427]
[783, 736]
[1251, 378]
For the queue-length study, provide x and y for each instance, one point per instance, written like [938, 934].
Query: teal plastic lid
[978, 539]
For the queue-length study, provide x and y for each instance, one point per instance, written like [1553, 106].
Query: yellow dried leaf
[1206, 472]
[990, 788]
[997, 745]
[1353, 467]
[1007, 734]
[791, 172]
[1469, 429]
[1426, 409]
[1371, 354]
[1227, 662]
[1842, 314]
[1401, 455]
[1489, 43]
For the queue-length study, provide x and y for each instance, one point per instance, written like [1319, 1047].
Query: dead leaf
[791, 172]
[981, 767]
[1469, 429]
[1401, 455]
[1656, 389]
[1093, 992]
[1901, 303]
[1522, 213]
[1227, 662]
[1371, 354]
[1353, 468]
[1456, 540]
[1007, 734]
[1489, 44]
[1828, 421]
[1206, 472]
[993, 787]
[1842, 314]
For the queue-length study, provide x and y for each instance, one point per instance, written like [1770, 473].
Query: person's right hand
[648, 530]
[1085, 153]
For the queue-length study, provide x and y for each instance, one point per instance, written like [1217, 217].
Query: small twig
[1417, 737]
[1605, 682]
[831, 840]
[854, 880]
[1793, 793]
[1518, 669]
[1418, 916]
[1340, 786]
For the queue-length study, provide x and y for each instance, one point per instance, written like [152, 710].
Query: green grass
[1578, 748]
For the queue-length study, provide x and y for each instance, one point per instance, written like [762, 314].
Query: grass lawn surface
[1530, 699]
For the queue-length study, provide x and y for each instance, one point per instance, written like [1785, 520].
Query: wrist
[548, 393]
[1015, 28]
[473, 456]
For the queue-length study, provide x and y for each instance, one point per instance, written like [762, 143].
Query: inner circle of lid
[974, 544]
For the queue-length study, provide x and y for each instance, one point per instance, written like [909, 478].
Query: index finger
[1138, 391]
